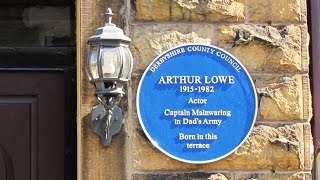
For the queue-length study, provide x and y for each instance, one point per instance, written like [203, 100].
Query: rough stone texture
[237, 176]
[190, 10]
[274, 176]
[287, 147]
[215, 10]
[97, 161]
[266, 48]
[274, 11]
[283, 97]
[149, 41]
[267, 148]
[276, 143]
[153, 10]
[276, 149]
[185, 176]
[218, 176]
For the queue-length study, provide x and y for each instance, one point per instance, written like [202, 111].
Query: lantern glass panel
[110, 62]
[93, 58]
[127, 63]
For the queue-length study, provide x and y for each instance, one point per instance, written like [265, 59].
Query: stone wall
[269, 37]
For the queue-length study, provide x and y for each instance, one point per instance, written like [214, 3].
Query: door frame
[314, 30]
[51, 59]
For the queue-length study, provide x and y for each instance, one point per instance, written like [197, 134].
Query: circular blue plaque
[196, 103]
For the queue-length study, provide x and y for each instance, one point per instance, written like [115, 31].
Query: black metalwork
[109, 67]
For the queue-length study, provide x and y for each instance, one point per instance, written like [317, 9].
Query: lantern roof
[109, 32]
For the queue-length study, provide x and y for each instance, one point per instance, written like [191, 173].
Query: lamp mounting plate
[106, 123]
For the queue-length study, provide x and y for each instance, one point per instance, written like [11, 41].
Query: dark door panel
[32, 124]
[15, 135]
[3, 168]
[6, 168]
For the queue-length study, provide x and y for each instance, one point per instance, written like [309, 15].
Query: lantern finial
[109, 15]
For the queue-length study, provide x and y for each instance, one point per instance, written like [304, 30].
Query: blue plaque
[196, 103]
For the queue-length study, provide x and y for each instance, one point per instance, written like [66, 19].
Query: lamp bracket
[106, 122]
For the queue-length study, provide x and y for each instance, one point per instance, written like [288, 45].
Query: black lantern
[109, 67]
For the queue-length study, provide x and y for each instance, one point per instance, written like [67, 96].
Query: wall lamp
[109, 66]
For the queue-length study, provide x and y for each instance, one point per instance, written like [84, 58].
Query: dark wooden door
[32, 125]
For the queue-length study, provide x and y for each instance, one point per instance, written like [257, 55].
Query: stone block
[152, 10]
[284, 97]
[174, 176]
[267, 48]
[274, 11]
[289, 146]
[190, 10]
[267, 148]
[216, 10]
[274, 176]
[94, 160]
[149, 41]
